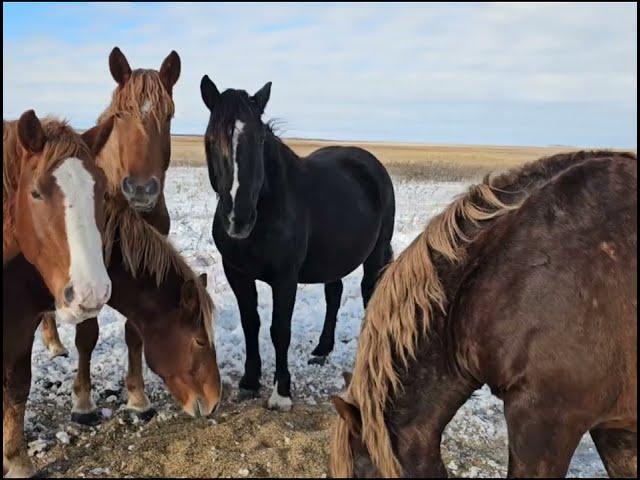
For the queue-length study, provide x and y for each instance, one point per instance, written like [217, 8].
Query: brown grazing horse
[528, 284]
[163, 300]
[52, 202]
[135, 160]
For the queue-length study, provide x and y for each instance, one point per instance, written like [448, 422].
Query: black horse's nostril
[152, 187]
[128, 186]
[68, 294]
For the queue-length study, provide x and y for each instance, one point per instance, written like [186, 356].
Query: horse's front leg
[83, 410]
[50, 336]
[284, 298]
[137, 400]
[15, 391]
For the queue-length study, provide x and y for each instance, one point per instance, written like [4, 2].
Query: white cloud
[350, 70]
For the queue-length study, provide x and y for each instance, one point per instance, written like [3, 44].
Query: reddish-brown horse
[135, 160]
[528, 284]
[52, 201]
[164, 302]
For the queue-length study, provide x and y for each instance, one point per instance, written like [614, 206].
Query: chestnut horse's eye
[36, 194]
[201, 343]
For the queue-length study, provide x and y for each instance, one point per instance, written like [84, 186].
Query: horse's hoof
[58, 352]
[279, 402]
[319, 360]
[88, 418]
[141, 415]
[247, 394]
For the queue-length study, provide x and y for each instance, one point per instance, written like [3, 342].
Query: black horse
[286, 220]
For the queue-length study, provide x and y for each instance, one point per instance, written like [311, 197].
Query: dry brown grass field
[436, 162]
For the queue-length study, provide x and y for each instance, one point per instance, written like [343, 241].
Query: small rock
[106, 412]
[287, 440]
[37, 446]
[243, 472]
[63, 437]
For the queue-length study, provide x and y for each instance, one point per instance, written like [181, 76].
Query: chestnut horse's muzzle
[141, 196]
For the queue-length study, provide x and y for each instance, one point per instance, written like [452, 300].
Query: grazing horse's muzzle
[201, 408]
[141, 196]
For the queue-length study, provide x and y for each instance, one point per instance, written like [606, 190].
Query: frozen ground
[475, 442]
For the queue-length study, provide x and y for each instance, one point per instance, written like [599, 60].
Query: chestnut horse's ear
[262, 97]
[349, 413]
[30, 132]
[203, 279]
[347, 378]
[189, 295]
[170, 70]
[96, 137]
[119, 66]
[209, 92]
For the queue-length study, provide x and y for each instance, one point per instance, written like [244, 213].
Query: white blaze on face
[237, 131]
[87, 273]
[146, 108]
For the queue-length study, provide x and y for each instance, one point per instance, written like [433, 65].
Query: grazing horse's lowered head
[137, 156]
[53, 196]
[234, 144]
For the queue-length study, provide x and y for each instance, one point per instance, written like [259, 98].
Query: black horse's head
[234, 145]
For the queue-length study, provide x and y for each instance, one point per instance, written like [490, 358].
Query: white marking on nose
[146, 108]
[237, 131]
[87, 272]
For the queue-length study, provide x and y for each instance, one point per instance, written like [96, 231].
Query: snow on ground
[191, 203]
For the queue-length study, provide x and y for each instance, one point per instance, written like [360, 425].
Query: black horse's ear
[262, 97]
[209, 92]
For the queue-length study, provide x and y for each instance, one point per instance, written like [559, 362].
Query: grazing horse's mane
[144, 249]
[410, 289]
[62, 142]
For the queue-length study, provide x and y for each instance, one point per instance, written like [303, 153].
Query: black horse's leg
[244, 288]
[372, 267]
[618, 450]
[284, 298]
[333, 294]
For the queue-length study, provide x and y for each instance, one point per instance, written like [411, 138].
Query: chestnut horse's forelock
[145, 249]
[62, 142]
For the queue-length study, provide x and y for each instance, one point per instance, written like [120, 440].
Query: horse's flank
[62, 142]
[144, 250]
[410, 292]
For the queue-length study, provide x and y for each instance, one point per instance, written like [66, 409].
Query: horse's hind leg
[50, 336]
[373, 265]
[84, 410]
[541, 441]
[333, 294]
[618, 450]
[137, 400]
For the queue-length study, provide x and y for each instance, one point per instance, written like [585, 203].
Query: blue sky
[512, 74]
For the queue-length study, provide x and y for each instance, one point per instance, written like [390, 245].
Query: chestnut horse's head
[179, 347]
[140, 148]
[57, 197]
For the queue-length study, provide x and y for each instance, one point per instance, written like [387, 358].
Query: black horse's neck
[281, 167]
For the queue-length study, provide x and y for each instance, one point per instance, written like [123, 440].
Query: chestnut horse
[135, 160]
[165, 303]
[52, 202]
[528, 284]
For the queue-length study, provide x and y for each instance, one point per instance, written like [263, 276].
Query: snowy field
[478, 430]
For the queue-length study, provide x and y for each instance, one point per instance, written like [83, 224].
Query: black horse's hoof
[247, 394]
[319, 360]
[89, 418]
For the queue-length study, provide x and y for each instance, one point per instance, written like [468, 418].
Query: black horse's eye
[36, 194]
